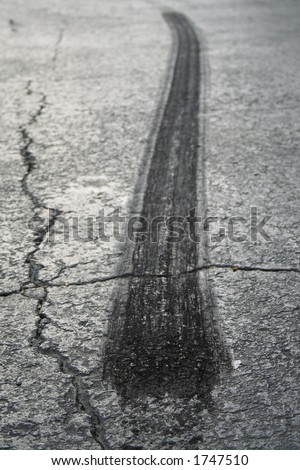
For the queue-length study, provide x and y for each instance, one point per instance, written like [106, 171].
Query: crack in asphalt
[57, 44]
[205, 267]
[82, 402]
[236, 267]
[30, 161]
[91, 281]
[8, 293]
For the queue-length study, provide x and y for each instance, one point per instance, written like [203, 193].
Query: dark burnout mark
[161, 337]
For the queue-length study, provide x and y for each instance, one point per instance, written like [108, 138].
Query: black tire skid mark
[160, 340]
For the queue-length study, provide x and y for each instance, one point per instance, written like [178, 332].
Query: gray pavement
[83, 90]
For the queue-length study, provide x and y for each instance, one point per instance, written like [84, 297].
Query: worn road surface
[149, 109]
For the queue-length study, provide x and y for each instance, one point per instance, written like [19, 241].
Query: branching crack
[82, 401]
[40, 233]
[205, 267]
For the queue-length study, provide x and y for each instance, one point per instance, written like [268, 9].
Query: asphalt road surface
[165, 112]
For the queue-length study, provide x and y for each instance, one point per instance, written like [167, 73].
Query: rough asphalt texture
[83, 92]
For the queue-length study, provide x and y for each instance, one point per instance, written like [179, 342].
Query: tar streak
[161, 337]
